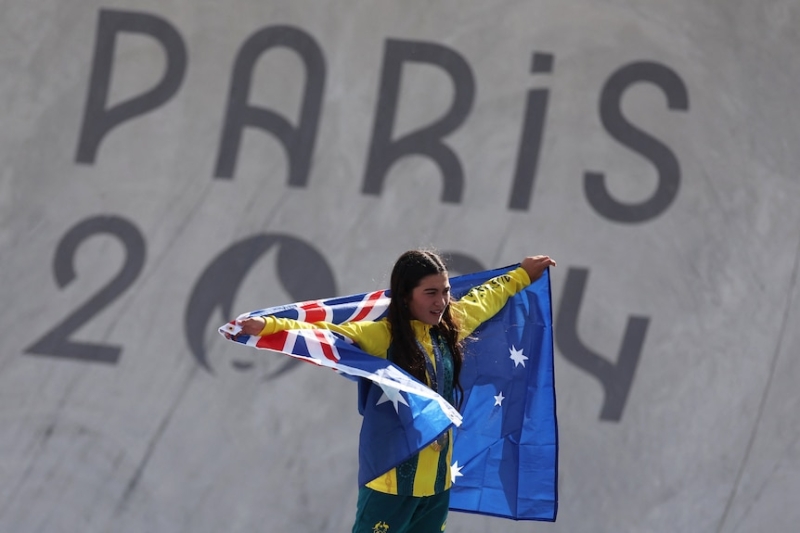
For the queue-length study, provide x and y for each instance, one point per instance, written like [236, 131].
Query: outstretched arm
[372, 337]
[484, 301]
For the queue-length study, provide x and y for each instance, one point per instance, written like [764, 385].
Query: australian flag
[505, 454]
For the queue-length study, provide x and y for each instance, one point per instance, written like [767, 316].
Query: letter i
[531, 138]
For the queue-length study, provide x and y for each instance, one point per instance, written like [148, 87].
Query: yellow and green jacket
[428, 472]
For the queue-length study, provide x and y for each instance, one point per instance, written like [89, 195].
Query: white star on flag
[455, 471]
[390, 394]
[498, 400]
[517, 357]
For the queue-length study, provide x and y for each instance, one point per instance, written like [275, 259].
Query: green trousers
[387, 513]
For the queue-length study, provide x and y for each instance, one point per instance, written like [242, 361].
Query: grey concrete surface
[121, 250]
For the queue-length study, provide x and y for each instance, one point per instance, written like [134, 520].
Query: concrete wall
[167, 165]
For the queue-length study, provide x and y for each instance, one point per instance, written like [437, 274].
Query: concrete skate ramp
[168, 165]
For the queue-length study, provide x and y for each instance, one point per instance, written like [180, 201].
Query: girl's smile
[430, 298]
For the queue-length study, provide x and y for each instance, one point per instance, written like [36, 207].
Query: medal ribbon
[436, 384]
[433, 372]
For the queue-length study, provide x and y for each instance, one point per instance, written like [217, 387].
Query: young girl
[422, 333]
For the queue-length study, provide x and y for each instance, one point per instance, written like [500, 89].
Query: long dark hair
[408, 270]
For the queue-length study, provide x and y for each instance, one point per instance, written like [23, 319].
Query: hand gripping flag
[505, 451]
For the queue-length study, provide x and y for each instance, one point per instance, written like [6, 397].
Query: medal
[441, 442]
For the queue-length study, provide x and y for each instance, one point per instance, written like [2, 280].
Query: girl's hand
[252, 325]
[536, 265]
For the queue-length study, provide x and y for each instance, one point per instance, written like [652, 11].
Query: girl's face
[430, 298]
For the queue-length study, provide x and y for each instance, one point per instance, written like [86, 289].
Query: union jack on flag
[505, 452]
[318, 345]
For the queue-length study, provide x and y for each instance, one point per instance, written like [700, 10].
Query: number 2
[56, 342]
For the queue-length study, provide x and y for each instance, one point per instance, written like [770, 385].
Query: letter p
[98, 119]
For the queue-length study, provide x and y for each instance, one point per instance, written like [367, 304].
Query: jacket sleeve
[484, 301]
[372, 337]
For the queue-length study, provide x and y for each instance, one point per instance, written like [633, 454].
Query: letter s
[639, 141]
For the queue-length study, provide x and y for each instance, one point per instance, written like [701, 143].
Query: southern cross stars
[390, 394]
[517, 357]
[455, 471]
[498, 400]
